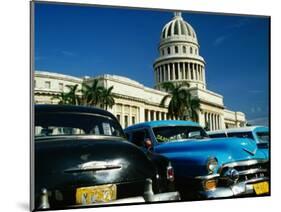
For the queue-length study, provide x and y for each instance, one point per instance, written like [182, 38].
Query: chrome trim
[94, 166]
[243, 163]
[252, 171]
[239, 189]
[62, 137]
[149, 195]
[207, 177]
[256, 180]
[44, 200]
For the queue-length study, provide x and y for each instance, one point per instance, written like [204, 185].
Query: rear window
[241, 135]
[67, 123]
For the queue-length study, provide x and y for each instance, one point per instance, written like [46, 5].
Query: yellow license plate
[96, 194]
[261, 188]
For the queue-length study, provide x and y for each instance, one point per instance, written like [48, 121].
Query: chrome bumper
[163, 197]
[148, 196]
[238, 189]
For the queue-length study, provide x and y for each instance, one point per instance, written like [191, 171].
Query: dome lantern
[179, 59]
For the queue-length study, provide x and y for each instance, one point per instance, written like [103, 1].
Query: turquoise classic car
[205, 168]
[260, 134]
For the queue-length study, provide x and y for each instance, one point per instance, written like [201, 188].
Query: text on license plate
[261, 188]
[96, 194]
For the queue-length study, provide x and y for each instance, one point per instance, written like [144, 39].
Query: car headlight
[212, 164]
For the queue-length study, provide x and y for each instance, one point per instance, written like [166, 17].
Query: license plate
[96, 194]
[261, 188]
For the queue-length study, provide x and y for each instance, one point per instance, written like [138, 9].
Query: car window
[219, 135]
[263, 137]
[67, 123]
[171, 133]
[241, 135]
[138, 137]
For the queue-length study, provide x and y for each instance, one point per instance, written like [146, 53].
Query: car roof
[72, 108]
[163, 123]
[239, 129]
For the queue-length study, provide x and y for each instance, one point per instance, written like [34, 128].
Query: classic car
[260, 134]
[82, 158]
[205, 168]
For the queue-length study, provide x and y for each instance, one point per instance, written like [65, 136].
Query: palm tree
[193, 106]
[107, 98]
[62, 97]
[72, 96]
[181, 104]
[91, 94]
[178, 95]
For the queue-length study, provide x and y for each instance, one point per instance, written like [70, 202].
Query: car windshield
[173, 133]
[263, 137]
[67, 123]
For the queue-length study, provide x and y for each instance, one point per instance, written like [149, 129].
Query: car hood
[84, 161]
[193, 154]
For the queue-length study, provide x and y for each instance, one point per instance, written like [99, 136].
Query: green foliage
[181, 105]
[89, 95]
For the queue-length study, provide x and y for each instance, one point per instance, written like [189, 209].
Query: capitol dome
[179, 59]
[178, 27]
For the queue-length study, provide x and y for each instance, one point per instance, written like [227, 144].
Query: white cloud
[219, 40]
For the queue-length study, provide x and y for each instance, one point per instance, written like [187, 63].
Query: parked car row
[259, 134]
[83, 158]
[205, 167]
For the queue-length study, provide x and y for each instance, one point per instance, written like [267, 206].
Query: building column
[206, 119]
[204, 74]
[165, 72]
[161, 74]
[188, 71]
[179, 71]
[213, 119]
[141, 114]
[191, 71]
[183, 69]
[199, 71]
[148, 115]
[174, 71]
[197, 74]
[201, 119]
[218, 121]
[168, 71]
[201, 68]
[209, 121]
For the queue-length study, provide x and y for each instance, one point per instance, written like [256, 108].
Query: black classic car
[82, 158]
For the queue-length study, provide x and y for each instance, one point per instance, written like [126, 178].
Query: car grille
[244, 171]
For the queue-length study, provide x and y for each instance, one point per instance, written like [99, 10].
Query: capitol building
[179, 61]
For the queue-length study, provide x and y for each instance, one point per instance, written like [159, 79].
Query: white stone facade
[178, 61]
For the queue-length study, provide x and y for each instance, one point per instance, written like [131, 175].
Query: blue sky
[79, 41]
